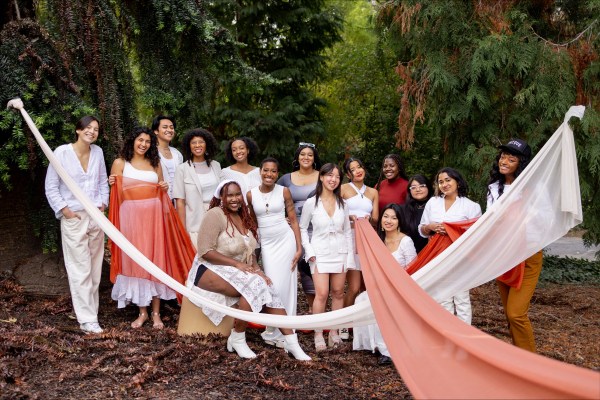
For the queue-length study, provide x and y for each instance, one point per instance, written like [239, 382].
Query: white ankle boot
[291, 346]
[237, 341]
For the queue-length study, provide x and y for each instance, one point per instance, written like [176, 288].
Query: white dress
[128, 289]
[361, 206]
[463, 209]
[247, 181]
[277, 243]
[369, 337]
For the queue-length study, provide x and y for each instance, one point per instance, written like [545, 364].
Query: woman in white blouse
[163, 127]
[329, 250]
[196, 179]
[450, 204]
[239, 153]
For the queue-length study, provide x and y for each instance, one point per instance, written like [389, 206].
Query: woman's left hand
[163, 185]
[265, 277]
[295, 259]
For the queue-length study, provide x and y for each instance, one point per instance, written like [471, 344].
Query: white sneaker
[91, 327]
[344, 334]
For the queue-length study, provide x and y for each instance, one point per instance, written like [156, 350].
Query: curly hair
[496, 176]
[209, 139]
[399, 163]
[316, 159]
[151, 154]
[243, 212]
[397, 210]
[250, 145]
[462, 187]
[326, 169]
[410, 207]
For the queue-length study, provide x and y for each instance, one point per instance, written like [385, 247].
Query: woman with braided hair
[393, 188]
[225, 269]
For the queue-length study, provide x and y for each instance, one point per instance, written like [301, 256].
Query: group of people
[242, 234]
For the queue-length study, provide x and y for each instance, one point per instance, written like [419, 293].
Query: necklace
[266, 198]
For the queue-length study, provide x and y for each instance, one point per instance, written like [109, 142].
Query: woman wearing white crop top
[450, 205]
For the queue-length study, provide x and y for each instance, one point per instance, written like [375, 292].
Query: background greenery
[441, 83]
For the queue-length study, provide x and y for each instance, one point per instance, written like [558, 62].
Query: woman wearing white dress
[403, 249]
[450, 205]
[196, 179]
[280, 242]
[329, 250]
[163, 127]
[239, 153]
[362, 202]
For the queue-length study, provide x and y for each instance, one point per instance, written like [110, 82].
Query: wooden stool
[192, 320]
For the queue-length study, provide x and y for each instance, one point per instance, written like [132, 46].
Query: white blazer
[187, 186]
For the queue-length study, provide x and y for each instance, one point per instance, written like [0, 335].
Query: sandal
[320, 342]
[157, 325]
[139, 321]
[334, 339]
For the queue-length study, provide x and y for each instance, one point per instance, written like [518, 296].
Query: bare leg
[142, 317]
[354, 283]
[157, 322]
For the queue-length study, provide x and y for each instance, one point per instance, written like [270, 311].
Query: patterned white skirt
[253, 287]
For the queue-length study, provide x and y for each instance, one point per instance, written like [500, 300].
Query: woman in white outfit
[239, 153]
[225, 269]
[362, 202]
[329, 250]
[82, 240]
[280, 242]
[450, 205]
[196, 179]
[163, 127]
[403, 249]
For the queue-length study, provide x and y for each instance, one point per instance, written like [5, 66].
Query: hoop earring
[314, 165]
[206, 153]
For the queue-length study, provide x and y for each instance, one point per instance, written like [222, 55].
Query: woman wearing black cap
[510, 162]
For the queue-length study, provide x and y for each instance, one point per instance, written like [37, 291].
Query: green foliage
[570, 270]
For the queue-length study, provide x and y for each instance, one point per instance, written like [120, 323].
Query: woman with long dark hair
[240, 152]
[329, 250]
[419, 192]
[225, 269]
[450, 205]
[510, 162]
[302, 183]
[196, 179]
[392, 181]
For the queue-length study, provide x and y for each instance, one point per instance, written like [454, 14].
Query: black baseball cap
[517, 147]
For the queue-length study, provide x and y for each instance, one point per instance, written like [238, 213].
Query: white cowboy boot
[291, 346]
[237, 341]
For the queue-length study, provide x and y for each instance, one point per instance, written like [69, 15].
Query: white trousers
[461, 303]
[83, 250]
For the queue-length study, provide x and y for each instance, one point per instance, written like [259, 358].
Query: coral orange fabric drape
[441, 357]
[170, 244]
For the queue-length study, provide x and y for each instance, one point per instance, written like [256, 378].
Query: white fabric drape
[549, 203]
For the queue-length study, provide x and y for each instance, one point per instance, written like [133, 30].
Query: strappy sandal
[139, 321]
[157, 325]
[320, 342]
[334, 339]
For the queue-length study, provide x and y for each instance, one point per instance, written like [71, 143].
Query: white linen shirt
[435, 211]
[94, 182]
[325, 230]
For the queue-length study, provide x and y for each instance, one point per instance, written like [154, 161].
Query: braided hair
[399, 163]
[243, 212]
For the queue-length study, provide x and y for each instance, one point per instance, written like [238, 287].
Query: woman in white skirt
[225, 269]
[403, 249]
[329, 250]
[280, 242]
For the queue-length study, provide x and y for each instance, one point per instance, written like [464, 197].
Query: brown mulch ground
[44, 355]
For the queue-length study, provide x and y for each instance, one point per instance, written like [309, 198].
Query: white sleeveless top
[129, 171]
[269, 208]
[359, 205]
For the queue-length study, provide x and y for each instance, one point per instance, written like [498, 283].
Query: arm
[305, 219]
[250, 208]
[350, 262]
[52, 188]
[103, 181]
[179, 193]
[408, 250]
[375, 212]
[426, 227]
[293, 221]
[161, 180]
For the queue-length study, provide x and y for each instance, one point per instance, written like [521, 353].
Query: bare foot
[140, 320]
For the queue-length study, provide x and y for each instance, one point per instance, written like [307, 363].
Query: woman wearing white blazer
[196, 179]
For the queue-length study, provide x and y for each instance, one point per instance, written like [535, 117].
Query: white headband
[220, 187]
